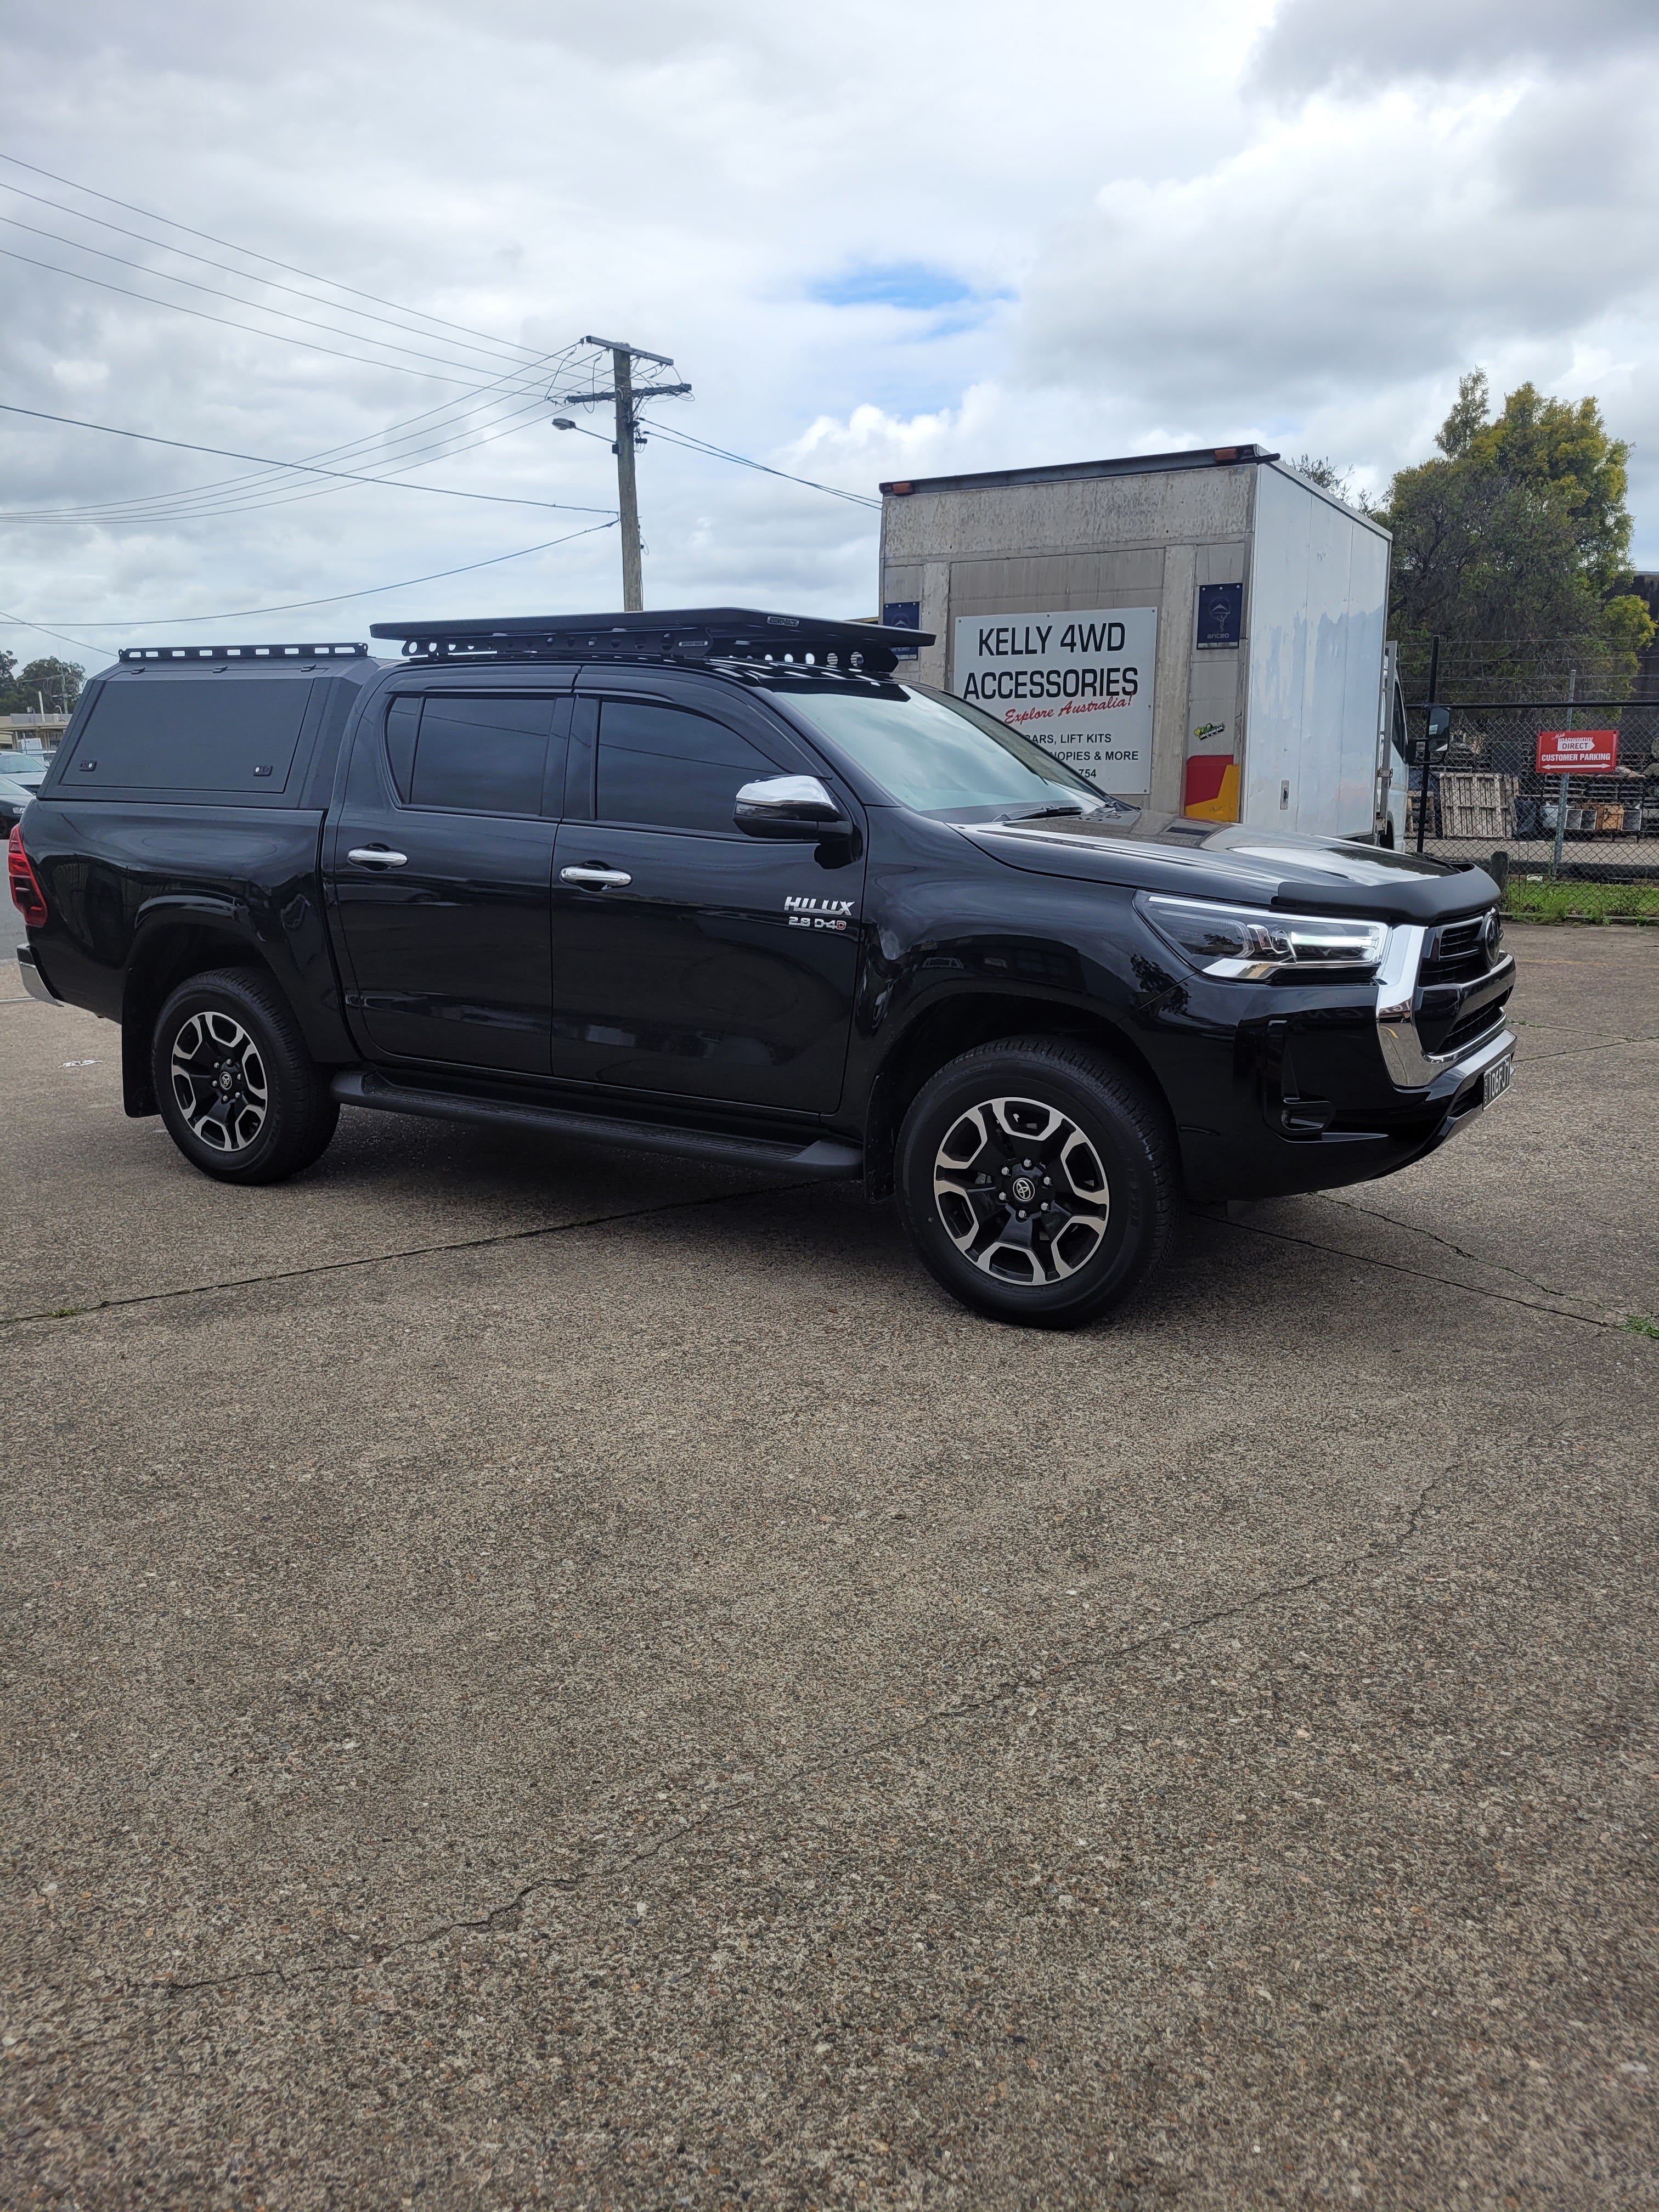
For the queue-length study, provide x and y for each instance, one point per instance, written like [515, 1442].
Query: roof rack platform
[680, 634]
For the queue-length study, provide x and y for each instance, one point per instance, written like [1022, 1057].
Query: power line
[160, 506]
[505, 346]
[216, 495]
[227, 452]
[248, 329]
[335, 598]
[228, 501]
[23, 622]
[218, 292]
[249, 252]
[720, 453]
[153, 501]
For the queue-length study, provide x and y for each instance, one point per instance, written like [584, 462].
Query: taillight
[26, 894]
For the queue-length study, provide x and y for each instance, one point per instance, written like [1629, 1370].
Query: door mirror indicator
[788, 807]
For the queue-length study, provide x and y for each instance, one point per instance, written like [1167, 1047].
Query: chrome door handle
[376, 856]
[596, 879]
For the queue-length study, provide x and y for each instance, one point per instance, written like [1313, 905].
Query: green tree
[54, 683]
[1512, 544]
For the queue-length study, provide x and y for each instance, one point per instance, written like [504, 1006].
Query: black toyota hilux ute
[725, 885]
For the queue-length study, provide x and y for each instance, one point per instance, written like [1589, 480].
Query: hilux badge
[807, 913]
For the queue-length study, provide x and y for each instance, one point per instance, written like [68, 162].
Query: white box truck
[1200, 632]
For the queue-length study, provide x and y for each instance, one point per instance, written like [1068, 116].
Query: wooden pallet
[1477, 804]
[1413, 807]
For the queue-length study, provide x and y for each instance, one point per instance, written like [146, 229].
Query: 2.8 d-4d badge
[806, 913]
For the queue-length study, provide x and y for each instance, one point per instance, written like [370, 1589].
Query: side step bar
[827, 1159]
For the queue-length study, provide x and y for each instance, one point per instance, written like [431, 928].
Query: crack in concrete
[508, 1917]
[1616, 1327]
[407, 1252]
[1570, 1051]
[1415, 1229]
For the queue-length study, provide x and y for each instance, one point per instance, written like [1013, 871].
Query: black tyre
[1037, 1180]
[241, 1096]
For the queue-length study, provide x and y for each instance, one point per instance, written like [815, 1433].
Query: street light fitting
[563, 423]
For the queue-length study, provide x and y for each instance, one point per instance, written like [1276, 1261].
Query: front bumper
[35, 981]
[1335, 1087]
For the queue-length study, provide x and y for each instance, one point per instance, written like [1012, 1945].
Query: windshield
[943, 756]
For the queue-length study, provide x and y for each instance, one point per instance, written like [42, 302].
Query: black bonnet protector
[1252, 867]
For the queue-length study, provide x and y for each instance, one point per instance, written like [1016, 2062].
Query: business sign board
[1080, 685]
[1577, 752]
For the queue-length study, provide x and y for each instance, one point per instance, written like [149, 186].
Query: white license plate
[1496, 1079]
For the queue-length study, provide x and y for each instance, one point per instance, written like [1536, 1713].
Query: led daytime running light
[1248, 944]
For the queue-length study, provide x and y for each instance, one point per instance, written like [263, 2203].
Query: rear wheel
[1036, 1179]
[241, 1096]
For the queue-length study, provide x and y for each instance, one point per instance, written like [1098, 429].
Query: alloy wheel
[219, 1082]
[1021, 1191]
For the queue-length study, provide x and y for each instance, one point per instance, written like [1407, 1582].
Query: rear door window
[475, 755]
[664, 768]
[200, 735]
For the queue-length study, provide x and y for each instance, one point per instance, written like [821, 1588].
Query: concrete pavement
[535, 1677]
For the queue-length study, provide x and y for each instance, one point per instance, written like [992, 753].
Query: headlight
[1248, 945]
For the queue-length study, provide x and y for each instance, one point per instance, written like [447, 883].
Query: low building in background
[32, 733]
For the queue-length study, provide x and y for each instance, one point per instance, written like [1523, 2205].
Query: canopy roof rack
[242, 652]
[681, 634]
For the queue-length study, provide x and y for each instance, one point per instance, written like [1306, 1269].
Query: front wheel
[1036, 1178]
[241, 1096]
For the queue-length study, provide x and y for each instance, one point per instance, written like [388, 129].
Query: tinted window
[673, 770]
[229, 734]
[481, 756]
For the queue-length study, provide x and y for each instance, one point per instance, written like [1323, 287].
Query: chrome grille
[1459, 950]
[1458, 938]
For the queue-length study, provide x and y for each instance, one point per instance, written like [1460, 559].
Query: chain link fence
[1486, 796]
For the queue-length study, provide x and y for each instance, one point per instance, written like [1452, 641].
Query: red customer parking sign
[1577, 752]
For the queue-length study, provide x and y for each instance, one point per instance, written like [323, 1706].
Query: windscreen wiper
[1040, 813]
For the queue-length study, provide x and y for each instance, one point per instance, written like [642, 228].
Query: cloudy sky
[877, 239]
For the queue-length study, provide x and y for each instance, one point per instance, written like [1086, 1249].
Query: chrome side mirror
[788, 807]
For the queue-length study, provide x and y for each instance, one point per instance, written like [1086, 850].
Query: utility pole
[627, 396]
[627, 490]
